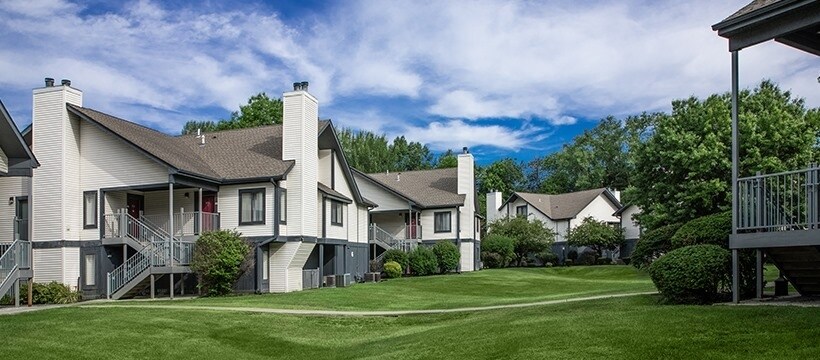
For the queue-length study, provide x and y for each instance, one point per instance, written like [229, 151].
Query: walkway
[366, 313]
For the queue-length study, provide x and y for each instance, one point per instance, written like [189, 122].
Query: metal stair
[387, 241]
[800, 265]
[15, 264]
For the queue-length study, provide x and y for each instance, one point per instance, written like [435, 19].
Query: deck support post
[199, 213]
[153, 289]
[171, 238]
[735, 277]
[735, 153]
[30, 297]
[759, 273]
[321, 262]
[17, 293]
[171, 282]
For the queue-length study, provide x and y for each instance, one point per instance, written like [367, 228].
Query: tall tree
[260, 110]
[447, 160]
[371, 153]
[683, 170]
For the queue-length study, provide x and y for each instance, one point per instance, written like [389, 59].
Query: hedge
[694, 274]
[652, 244]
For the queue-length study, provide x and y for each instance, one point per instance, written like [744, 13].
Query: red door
[208, 212]
[135, 205]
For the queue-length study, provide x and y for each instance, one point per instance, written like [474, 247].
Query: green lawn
[486, 287]
[624, 328]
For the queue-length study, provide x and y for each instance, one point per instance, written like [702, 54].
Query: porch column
[735, 146]
[171, 237]
[199, 211]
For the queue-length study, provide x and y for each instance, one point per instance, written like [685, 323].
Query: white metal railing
[412, 232]
[385, 239]
[783, 201]
[155, 254]
[185, 223]
[16, 255]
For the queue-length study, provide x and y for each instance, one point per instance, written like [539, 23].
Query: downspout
[277, 193]
[458, 235]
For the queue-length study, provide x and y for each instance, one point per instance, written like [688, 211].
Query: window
[283, 206]
[442, 221]
[336, 213]
[521, 210]
[265, 264]
[90, 210]
[251, 206]
[90, 270]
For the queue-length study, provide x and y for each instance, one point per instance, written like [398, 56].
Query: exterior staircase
[155, 255]
[388, 241]
[800, 265]
[15, 264]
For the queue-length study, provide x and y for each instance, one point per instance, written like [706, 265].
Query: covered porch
[396, 229]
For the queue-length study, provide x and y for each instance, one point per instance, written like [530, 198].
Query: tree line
[676, 166]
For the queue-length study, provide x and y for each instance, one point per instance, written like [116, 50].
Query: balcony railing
[186, 223]
[784, 201]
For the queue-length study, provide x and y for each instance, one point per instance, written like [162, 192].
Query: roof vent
[49, 82]
[201, 137]
[65, 82]
[398, 176]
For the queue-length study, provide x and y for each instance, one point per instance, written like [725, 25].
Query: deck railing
[185, 223]
[16, 255]
[383, 238]
[783, 201]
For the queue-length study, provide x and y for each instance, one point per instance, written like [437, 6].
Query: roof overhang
[792, 22]
[20, 158]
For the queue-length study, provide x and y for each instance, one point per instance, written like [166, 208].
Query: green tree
[683, 171]
[504, 175]
[366, 151]
[260, 110]
[217, 260]
[597, 235]
[529, 236]
[447, 160]
[408, 156]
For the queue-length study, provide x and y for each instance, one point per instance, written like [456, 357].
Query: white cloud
[455, 134]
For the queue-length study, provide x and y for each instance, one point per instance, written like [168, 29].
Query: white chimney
[466, 186]
[494, 201]
[300, 144]
[56, 196]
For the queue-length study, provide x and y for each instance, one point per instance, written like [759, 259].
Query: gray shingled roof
[427, 188]
[751, 7]
[561, 206]
[227, 155]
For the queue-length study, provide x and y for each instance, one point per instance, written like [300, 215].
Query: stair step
[793, 250]
[807, 273]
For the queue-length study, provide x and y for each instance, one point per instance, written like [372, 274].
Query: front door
[21, 218]
[136, 204]
[208, 209]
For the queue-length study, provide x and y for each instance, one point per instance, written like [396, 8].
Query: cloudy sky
[506, 78]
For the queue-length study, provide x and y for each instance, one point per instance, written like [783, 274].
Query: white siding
[296, 265]
[71, 266]
[341, 185]
[631, 228]
[4, 162]
[324, 167]
[466, 186]
[300, 143]
[559, 227]
[72, 195]
[467, 256]
[335, 231]
[10, 187]
[362, 235]
[228, 203]
[48, 265]
[386, 200]
[286, 262]
[600, 209]
[428, 225]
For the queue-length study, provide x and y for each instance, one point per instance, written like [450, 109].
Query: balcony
[778, 210]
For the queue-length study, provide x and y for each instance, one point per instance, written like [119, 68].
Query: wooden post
[153, 290]
[30, 294]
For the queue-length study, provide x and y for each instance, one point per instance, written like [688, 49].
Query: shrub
[397, 256]
[497, 251]
[529, 236]
[547, 257]
[693, 274]
[447, 256]
[423, 261]
[603, 261]
[711, 229]
[597, 235]
[392, 270]
[572, 255]
[652, 245]
[376, 266]
[50, 293]
[587, 257]
[218, 256]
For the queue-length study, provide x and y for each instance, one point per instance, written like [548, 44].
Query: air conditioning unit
[344, 280]
[373, 277]
[330, 281]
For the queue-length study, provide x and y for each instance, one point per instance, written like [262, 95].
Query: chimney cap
[49, 82]
[65, 82]
[300, 86]
[465, 150]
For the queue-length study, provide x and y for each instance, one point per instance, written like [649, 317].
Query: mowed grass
[623, 328]
[481, 288]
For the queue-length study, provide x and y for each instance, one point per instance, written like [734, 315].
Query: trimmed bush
[49, 293]
[547, 257]
[217, 261]
[423, 261]
[694, 274]
[711, 229]
[572, 255]
[596, 235]
[587, 257]
[397, 256]
[530, 236]
[392, 270]
[447, 256]
[652, 245]
[497, 251]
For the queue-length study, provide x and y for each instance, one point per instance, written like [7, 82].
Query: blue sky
[505, 78]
